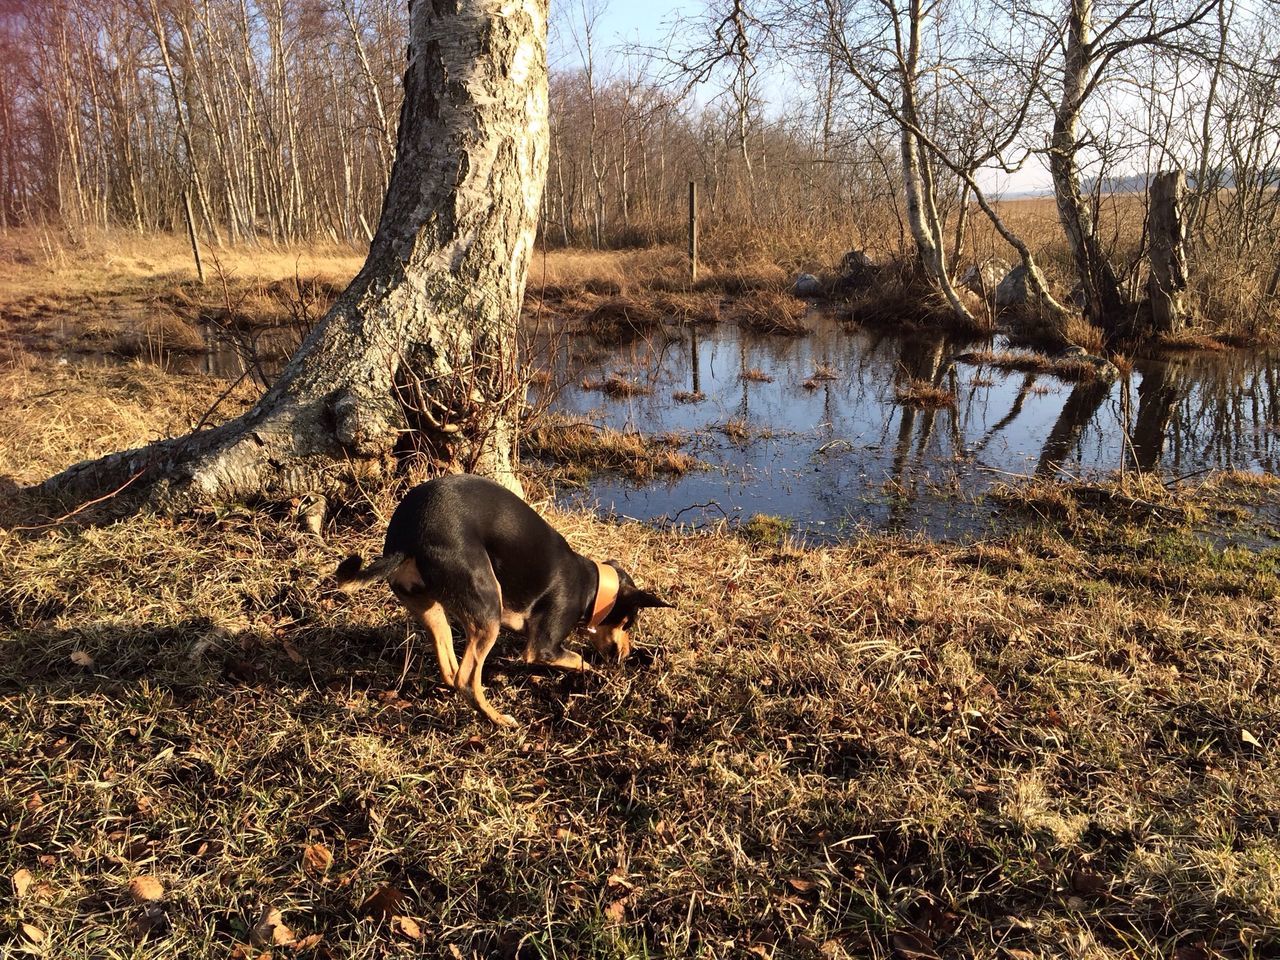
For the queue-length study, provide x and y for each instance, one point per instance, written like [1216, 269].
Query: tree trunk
[418, 353]
[1104, 304]
[1168, 277]
[922, 213]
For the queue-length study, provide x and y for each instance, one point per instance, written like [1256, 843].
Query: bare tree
[1094, 46]
[419, 350]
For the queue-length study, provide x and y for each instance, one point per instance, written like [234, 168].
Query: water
[843, 454]
[839, 455]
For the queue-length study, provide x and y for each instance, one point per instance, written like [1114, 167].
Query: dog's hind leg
[436, 623]
[429, 616]
[480, 640]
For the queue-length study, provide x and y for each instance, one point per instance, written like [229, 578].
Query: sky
[627, 23]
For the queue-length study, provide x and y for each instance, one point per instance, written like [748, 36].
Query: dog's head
[610, 638]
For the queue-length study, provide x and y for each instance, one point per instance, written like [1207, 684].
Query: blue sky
[626, 23]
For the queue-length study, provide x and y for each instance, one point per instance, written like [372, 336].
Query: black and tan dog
[465, 549]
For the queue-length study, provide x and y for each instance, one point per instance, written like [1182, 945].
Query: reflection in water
[840, 453]
[1081, 406]
[1157, 397]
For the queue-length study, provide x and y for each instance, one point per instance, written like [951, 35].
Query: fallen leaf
[308, 943]
[316, 860]
[81, 659]
[616, 910]
[1249, 738]
[33, 933]
[407, 926]
[21, 881]
[911, 945]
[294, 654]
[382, 903]
[618, 880]
[1087, 883]
[270, 930]
[35, 802]
[146, 889]
[801, 886]
[455, 952]
[759, 950]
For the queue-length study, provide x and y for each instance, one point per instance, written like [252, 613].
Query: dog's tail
[353, 574]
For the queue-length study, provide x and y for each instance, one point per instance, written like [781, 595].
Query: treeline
[276, 120]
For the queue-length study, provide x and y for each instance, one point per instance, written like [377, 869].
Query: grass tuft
[923, 394]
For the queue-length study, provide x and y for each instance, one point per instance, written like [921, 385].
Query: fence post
[191, 233]
[693, 231]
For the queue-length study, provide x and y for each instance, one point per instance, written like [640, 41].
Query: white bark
[421, 346]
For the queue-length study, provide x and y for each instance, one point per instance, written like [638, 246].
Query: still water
[841, 454]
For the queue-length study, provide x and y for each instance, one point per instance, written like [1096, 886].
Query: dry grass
[775, 314]
[1189, 340]
[621, 318]
[1028, 361]
[755, 375]
[616, 385]
[58, 413]
[130, 296]
[737, 430]
[686, 308]
[923, 394]
[1059, 743]
[579, 448]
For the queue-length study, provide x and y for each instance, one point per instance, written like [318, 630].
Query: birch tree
[419, 351]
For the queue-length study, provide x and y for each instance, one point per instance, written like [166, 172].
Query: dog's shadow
[195, 660]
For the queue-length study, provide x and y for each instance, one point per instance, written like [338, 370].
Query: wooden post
[693, 231]
[191, 234]
[1168, 256]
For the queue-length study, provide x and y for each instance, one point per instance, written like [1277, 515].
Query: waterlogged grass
[578, 449]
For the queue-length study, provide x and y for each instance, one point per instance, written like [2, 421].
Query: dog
[464, 549]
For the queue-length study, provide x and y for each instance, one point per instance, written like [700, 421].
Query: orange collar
[606, 594]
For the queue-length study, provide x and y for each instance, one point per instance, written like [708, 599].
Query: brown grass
[580, 448]
[615, 385]
[737, 430]
[1189, 340]
[621, 318]
[923, 394]
[1028, 361]
[774, 314]
[756, 375]
[60, 413]
[1059, 742]
[688, 396]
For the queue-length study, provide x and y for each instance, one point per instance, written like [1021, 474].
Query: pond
[839, 453]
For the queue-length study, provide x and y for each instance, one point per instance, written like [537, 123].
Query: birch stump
[1168, 258]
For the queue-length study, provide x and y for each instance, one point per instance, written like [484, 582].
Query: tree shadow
[196, 661]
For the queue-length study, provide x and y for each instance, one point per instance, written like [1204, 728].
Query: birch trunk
[420, 348]
[1104, 304]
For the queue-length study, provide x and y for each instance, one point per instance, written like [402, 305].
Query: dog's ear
[643, 598]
